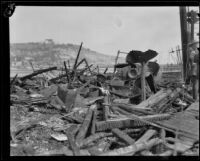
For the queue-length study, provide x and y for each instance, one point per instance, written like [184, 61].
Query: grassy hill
[52, 53]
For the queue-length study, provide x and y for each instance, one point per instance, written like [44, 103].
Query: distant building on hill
[49, 41]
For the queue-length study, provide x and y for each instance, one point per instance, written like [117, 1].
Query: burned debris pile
[87, 112]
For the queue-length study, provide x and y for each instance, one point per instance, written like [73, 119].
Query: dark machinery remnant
[132, 71]
[135, 56]
[142, 58]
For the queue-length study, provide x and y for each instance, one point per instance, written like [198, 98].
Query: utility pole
[184, 38]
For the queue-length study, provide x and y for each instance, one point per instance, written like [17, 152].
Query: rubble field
[76, 112]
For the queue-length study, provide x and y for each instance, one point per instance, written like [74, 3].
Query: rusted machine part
[132, 73]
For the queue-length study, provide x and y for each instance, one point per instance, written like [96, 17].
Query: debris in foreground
[84, 112]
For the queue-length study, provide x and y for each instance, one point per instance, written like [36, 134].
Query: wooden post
[184, 38]
[66, 70]
[143, 81]
[68, 64]
[116, 60]
[74, 68]
[77, 56]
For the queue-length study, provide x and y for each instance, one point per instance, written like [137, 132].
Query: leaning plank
[106, 108]
[84, 128]
[72, 143]
[132, 149]
[93, 128]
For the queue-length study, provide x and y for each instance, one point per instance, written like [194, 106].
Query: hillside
[54, 54]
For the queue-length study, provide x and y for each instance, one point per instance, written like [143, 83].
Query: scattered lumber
[78, 111]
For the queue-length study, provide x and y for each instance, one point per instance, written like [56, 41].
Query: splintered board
[185, 122]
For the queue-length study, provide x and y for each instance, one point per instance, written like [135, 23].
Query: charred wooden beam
[132, 109]
[147, 135]
[106, 108]
[132, 149]
[93, 128]
[130, 122]
[57, 78]
[111, 124]
[77, 57]
[121, 111]
[92, 138]
[105, 70]
[38, 72]
[76, 60]
[123, 136]
[67, 72]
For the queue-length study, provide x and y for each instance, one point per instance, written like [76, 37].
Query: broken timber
[129, 122]
[72, 143]
[84, 128]
[38, 72]
[123, 136]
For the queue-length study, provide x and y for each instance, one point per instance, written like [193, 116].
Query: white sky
[103, 29]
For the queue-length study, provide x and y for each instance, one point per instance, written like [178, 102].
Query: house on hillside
[49, 41]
